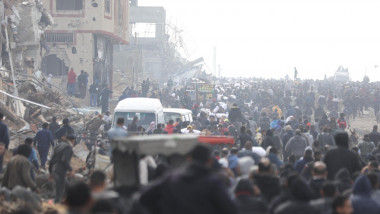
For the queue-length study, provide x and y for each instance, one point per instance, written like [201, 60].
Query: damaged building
[151, 52]
[83, 36]
[25, 23]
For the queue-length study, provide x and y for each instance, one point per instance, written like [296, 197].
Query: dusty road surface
[363, 124]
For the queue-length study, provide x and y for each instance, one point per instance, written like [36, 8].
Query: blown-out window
[69, 4]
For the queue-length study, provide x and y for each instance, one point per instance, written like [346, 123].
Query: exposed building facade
[83, 36]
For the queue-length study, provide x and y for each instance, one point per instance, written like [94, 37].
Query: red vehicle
[217, 140]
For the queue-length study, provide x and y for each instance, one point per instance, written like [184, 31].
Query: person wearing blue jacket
[361, 200]
[42, 142]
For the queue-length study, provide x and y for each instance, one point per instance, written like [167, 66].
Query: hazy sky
[268, 38]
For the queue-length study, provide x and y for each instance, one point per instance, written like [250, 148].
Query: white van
[173, 113]
[146, 109]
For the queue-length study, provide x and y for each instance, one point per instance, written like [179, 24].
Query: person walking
[374, 136]
[4, 138]
[94, 90]
[53, 127]
[85, 83]
[341, 157]
[366, 146]
[71, 78]
[296, 145]
[106, 92]
[42, 142]
[81, 87]
[64, 130]
[59, 165]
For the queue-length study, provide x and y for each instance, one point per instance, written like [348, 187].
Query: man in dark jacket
[195, 190]
[267, 182]
[59, 165]
[42, 142]
[4, 138]
[234, 115]
[296, 145]
[106, 92]
[342, 205]
[285, 139]
[325, 138]
[132, 127]
[243, 137]
[64, 130]
[374, 136]
[94, 90]
[299, 203]
[341, 157]
[319, 176]
[248, 152]
[324, 204]
[18, 170]
[247, 199]
[53, 127]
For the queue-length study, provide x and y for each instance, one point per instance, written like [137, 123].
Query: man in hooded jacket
[361, 200]
[341, 157]
[195, 190]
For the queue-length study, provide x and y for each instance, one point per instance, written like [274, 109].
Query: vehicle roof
[156, 144]
[177, 110]
[138, 104]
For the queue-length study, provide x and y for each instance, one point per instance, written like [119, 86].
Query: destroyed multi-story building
[152, 52]
[82, 37]
[23, 23]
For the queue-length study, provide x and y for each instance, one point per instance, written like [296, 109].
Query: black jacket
[63, 131]
[235, 115]
[53, 127]
[60, 160]
[268, 185]
[339, 158]
[251, 205]
[196, 190]
[244, 137]
[374, 136]
[296, 207]
[4, 134]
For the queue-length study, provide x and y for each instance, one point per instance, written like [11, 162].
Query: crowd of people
[292, 153]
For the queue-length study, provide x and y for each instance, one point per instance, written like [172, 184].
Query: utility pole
[15, 92]
[219, 70]
[214, 63]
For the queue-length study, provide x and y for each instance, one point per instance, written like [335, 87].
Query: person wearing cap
[296, 145]
[59, 165]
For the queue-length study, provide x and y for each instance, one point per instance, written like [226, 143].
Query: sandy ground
[364, 123]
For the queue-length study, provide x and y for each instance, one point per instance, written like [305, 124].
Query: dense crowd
[292, 153]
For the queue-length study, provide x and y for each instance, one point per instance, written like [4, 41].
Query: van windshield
[144, 118]
[171, 116]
